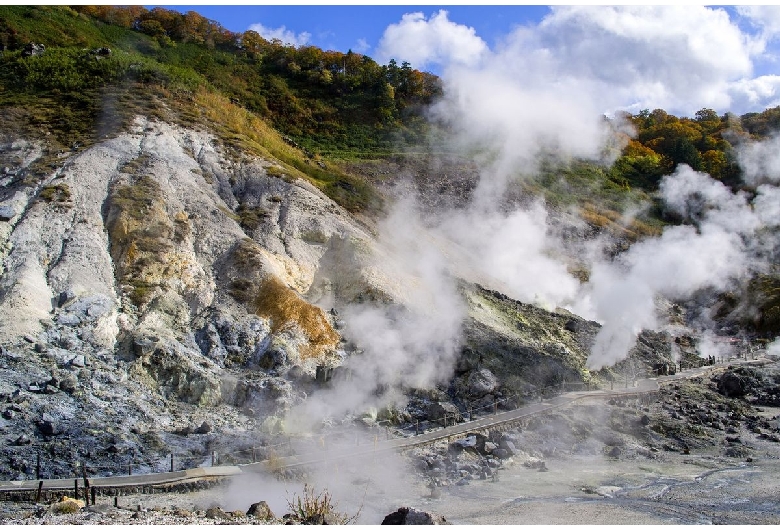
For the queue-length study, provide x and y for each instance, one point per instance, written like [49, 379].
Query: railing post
[417, 428]
[171, 462]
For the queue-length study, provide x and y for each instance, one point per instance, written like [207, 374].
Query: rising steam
[407, 346]
[532, 99]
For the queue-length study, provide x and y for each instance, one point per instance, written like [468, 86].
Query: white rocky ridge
[62, 248]
[122, 268]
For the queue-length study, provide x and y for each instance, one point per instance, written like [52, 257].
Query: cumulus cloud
[755, 94]
[422, 41]
[680, 58]
[766, 17]
[283, 34]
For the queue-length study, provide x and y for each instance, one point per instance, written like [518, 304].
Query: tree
[252, 42]
[707, 115]
[715, 163]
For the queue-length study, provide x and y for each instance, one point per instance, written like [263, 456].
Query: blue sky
[360, 28]
[677, 57]
[342, 27]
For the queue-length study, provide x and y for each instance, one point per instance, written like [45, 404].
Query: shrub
[318, 509]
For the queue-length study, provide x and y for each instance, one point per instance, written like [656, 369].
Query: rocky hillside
[176, 276]
[147, 268]
[159, 293]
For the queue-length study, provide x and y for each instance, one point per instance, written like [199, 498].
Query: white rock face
[61, 284]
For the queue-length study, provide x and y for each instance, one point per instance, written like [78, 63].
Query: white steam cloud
[684, 259]
[515, 250]
[403, 347]
[760, 161]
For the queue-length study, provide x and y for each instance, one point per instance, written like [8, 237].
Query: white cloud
[755, 94]
[766, 17]
[681, 58]
[283, 34]
[424, 42]
[362, 46]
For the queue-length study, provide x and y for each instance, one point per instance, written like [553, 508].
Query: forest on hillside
[329, 102]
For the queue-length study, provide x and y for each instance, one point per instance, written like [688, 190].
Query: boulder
[437, 411]
[409, 515]
[48, 426]
[78, 361]
[67, 505]
[474, 441]
[503, 454]
[204, 428]
[177, 372]
[7, 212]
[217, 513]
[731, 385]
[482, 382]
[32, 49]
[65, 297]
[535, 463]
[261, 510]
[508, 446]
[22, 440]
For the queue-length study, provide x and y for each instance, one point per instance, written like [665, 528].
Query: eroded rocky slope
[161, 295]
